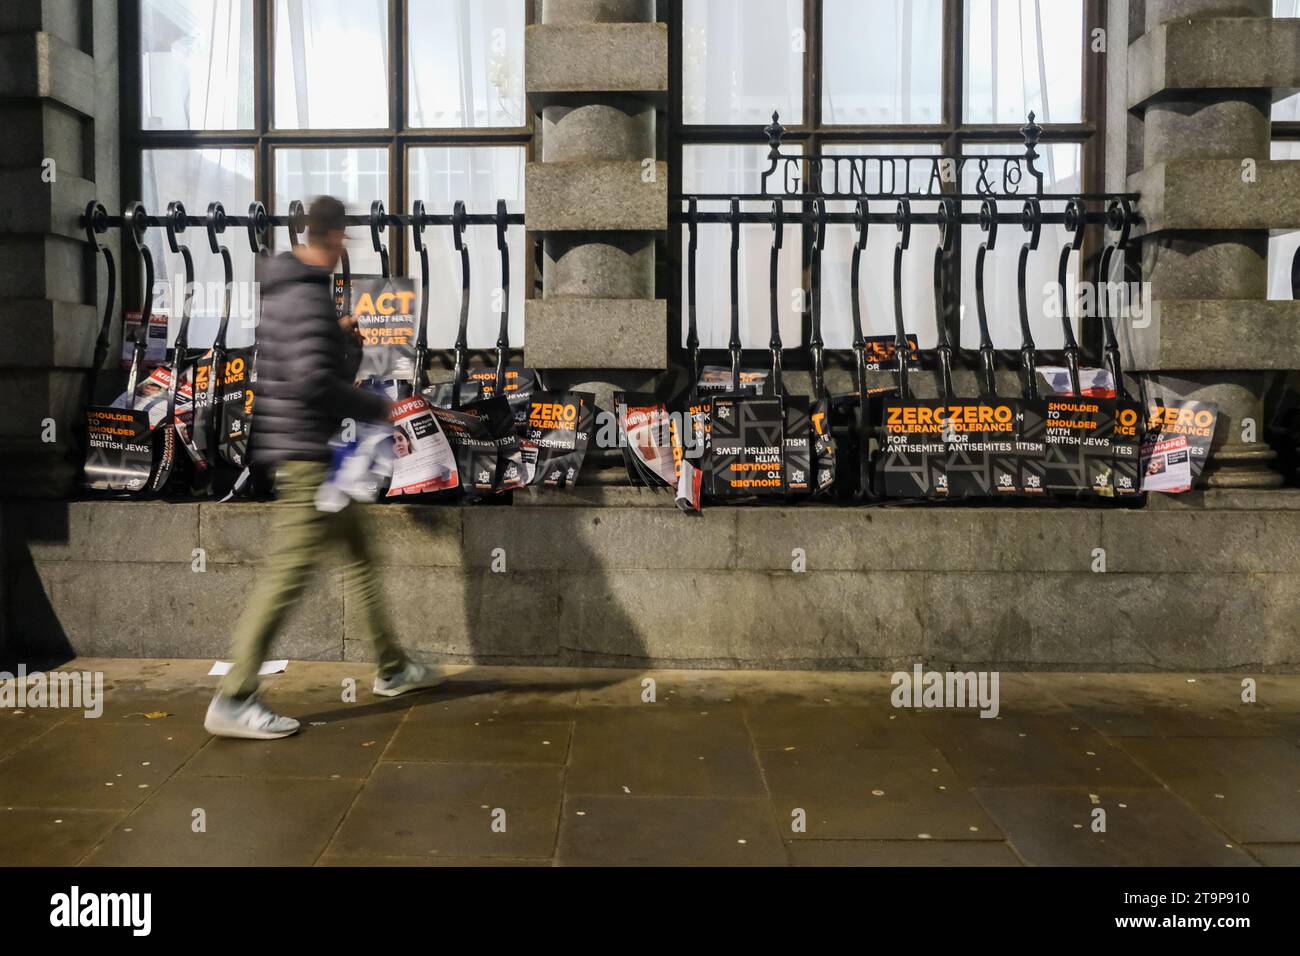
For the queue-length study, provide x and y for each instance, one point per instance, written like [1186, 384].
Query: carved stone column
[596, 71]
[1199, 89]
[59, 113]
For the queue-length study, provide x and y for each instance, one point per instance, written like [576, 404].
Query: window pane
[877, 278]
[357, 177]
[466, 63]
[725, 169]
[882, 62]
[1282, 247]
[1060, 164]
[196, 64]
[1287, 110]
[1024, 55]
[479, 176]
[742, 59]
[197, 177]
[331, 64]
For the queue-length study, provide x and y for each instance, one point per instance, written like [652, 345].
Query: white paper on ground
[222, 668]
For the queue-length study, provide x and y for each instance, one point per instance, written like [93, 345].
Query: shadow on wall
[548, 586]
[555, 603]
[30, 631]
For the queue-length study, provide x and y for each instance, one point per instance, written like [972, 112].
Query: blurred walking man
[306, 362]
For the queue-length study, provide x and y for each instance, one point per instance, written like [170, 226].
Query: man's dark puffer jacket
[305, 366]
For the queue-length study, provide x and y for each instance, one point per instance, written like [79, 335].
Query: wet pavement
[543, 766]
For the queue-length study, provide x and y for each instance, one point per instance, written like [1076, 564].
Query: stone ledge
[1227, 334]
[1210, 195]
[592, 496]
[40, 333]
[31, 469]
[596, 58]
[1003, 587]
[402, 535]
[1235, 535]
[42, 66]
[1208, 54]
[126, 609]
[596, 333]
[693, 618]
[458, 612]
[1228, 499]
[89, 532]
[596, 197]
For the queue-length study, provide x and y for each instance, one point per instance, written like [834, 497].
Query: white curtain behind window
[196, 64]
[742, 59]
[331, 64]
[466, 63]
[479, 176]
[726, 169]
[1061, 165]
[877, 276]
[882, 62]
[1024, 55]
[356, 177]
[197, 177]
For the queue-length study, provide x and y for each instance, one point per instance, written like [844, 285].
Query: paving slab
[1159, 705]
[1249, 786]
[1275, 854]
[336, 859]
[654, 751]
[21, 727]
[1053, 827]
[1056, 751]
[447, 810]
[804, 728]
[858, 793]
[517, 692]
[668, 688]
[482, 739]
[814, 688]
[248, 821]
[341, 741]
[668, 831]
[94, 765]
[806, 768]
[51, 837]
[1023, 695]
[149, 673]
[900, 853]
[135, 705]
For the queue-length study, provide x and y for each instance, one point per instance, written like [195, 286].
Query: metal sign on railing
[876, 175]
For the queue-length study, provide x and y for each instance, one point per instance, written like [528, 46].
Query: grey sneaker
[412, 676]
[246, 719]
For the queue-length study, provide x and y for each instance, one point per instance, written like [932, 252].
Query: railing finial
[1031, 131]
[774, 134]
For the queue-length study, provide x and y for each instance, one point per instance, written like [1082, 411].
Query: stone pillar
[597, 71]
[1199, 90]
[59, 112]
